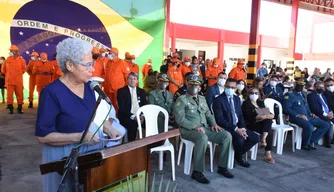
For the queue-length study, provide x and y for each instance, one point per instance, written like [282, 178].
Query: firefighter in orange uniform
[43, 71]
[213, 70]
[175, 76]
[32, 77]
[238, 72]
[57, 72]
[115, 76]
[146, 68]
[13, 68]
[185, 68]
[99, 63]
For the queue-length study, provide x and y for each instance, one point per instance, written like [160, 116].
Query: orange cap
[132, 57]
[175, 55]
[127, 55]
[114, 50]
[13, 48]
[102, 50]
[44, 56]
[186, 58]
[240, 62]
[216, 60]
[175, 60]
[149, 60]
[34, 54]
[95, 50]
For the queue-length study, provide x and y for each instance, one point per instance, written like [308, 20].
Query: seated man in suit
[228, 114]
[319, 106]
[162, 98]
[130, 98]
[198, 125]
[329, 93]
[295, 105]
[216, 89]
[272, 90]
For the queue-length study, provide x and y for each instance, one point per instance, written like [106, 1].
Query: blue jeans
[310, 136]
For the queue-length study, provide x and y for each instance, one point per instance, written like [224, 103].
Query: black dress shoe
[306, 148]
[243, 163]
[225, 172]
[199, 177]
[312, 148]
[328, 146]
[332, 141]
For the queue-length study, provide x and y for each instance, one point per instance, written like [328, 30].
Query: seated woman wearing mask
[242, 90]
[65, 108]
[260, 123]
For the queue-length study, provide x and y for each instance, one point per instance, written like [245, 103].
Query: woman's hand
[270, 116]
[114, 133]
[110, 130]
[95, 140]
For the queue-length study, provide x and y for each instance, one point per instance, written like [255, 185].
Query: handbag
[262, 111]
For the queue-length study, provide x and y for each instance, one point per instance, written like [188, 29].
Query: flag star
[79, 29]
[27, 52]
[33, 50]
[21, 33]
[47, 44]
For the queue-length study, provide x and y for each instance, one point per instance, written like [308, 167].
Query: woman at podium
[65, 108]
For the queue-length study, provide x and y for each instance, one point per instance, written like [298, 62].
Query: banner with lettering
[131, 26]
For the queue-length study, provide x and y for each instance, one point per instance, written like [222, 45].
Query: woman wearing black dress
[2, 80]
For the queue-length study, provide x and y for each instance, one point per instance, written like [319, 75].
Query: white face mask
[330, 88]
[149, 63]
[197, 73]
[253, 97]
[280, 81]
[104, 54]
[221, 82]
[187, 63]
[304, 90]
[240, 87]
[11, 54]
[215, 65]
[110, 57]
[33, 58]
[133, 61]
[1, 61]
[273, 83]
[43, 60]
[229, 92]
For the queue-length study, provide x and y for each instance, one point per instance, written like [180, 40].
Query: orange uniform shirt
[116, 73]
[145, 70]
[14, 68]
[237, 73]
[175, 74]
[213, 71]
[57, 72]
[185, 69]
[43, 80]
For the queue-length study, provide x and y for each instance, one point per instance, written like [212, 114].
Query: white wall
[323, 65]
[188, 53]
[274, 54]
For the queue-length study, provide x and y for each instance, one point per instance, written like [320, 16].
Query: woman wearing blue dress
[65, 108]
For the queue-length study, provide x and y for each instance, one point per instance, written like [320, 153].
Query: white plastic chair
[280, 130]
[151, 113]
[189, 152]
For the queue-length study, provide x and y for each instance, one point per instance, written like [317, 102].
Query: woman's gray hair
[73, 50]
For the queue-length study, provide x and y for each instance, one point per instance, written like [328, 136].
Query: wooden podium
[106, 166]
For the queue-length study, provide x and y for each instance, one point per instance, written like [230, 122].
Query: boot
[30, 104]
[10, 108]
[19, 109]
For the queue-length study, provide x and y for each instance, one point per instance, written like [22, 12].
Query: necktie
[324, 104]
[195, 99]
[134, 101]
[233, 111]
[274, 90]
[164, 95]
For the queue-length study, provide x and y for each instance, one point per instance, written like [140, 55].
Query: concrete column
[259, 54]
[221, 47]
[253, 40]
[173, 38]
[167, 27]
[290, 65]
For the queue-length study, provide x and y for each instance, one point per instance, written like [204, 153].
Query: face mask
[1, 61]
[229, 92]
[330, 88]
[253, 97]
[149, 63]
[187, 63]
[133, 61]
[11, 54]
[197, 73]
[43, 61]
[215, 66]
[319, 91]
[163, 86]
[299, 88]
[221, 82]
[304, 90]
[33, 58]
[110, 57]
[273, 83]
[104, 54]
[192, 90]
[280, 81]
[240, 87]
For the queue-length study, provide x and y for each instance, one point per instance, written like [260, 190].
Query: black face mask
[319, 91]
[95, 56]
[298, 88]
[150, 73]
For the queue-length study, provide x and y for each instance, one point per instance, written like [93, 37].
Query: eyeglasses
[87, 65]
[254, 93]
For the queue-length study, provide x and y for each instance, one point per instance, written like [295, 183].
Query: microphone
[95, 86]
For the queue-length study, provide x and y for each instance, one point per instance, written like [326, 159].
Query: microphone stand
[72, 160]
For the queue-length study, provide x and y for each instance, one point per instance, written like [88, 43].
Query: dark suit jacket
[278, 96]
[124, 101]
[315, 106]
[212, 93]
[223, 116]
[248, 110]
[330, 99]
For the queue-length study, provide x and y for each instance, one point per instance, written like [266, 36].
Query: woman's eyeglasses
[254, 93]
[88, 65]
